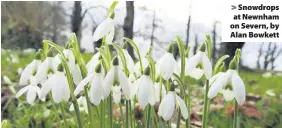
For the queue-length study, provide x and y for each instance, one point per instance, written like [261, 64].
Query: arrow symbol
[233, 7]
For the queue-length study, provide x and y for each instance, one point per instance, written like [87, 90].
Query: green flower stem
[110, 111]
[127, 113]
[235, 115]
[54, 107]
[130, 113]
[69, 78]
[102, 114]
[148, 116]
[121, 113]
[189, 105]
[63, 114]
[205, 116]
[178, 119]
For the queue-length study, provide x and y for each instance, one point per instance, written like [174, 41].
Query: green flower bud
[147, 71]
[115, 61]
[60, 67]
[50, 53]
[170, 48]
[37, 56]
[125, 46]
[112, 16]
[222, 67]
[203, 47]
[98, 68]
[233, 64]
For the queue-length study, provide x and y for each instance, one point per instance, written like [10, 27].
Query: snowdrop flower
[270, 93]
[58, 85]
[96, 89]
[129, 60]
[47, 66]
[167, 64]
[74, 67]
[82, 104]
[105, 29]
[91, 65]
[157, 91]
[230, 84]
[203, 61]
[19, 71]
[30, 70]
[7, 80]
[146, 90]
[134, 85]
[32, 90]
[137, 67]
[116, 80]
[168, 104]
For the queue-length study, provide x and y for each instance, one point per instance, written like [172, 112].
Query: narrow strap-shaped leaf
[217, 64]
[121, 54]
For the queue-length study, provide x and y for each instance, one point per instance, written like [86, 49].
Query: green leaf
[153, 67]
[182, 55]
[209, 45]
[123, 59]
[219, 61]
[111, 9]
[137, 51]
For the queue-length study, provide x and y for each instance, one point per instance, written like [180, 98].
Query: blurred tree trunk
[153, 28]
[188, 28]
[76, 19]
[214, 35]
[260, 54]
[128, 25]
[196, 44]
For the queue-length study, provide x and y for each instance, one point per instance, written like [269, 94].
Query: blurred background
[25, 24]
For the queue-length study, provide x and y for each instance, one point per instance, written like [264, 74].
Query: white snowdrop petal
[213, 78]
[207, 66]
[46, 87]
[110, 36]
[22, 91]
[96, 90]
[103, 29]
[196, 73]
[228, 95]
[168, 106]
[66, 90]
[116, 94]
[166, 66]
[129, 61]
[41, 73]
[81, 85]
[192, 62]
[183, 108]
[125, 84]
[31, 95]
[217, 86]
[60, 91]
[27, 72]
[239, 88]
[108, 82]
[143, 93]
[134, 88]
[152, 96]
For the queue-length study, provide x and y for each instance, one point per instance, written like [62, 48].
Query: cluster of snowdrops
[112, 78]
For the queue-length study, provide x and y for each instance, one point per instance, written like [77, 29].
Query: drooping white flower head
[105, 29]
[32, 90]
[74, 67]
[57, 83]
[159, 90]
[201, 59]
[168, 104]
[230, 85]
[129, 61]
[96, 89]
[48, 66]
[116, 77]
[82, 104]
[137, 67]
[167, 64]
[146, 90]
[91, 65]
[30, 70]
